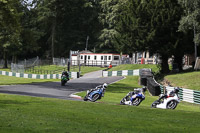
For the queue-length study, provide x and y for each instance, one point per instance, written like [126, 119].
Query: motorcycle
[64, 78]
[95, 94]
[168, 101]
[134, 97]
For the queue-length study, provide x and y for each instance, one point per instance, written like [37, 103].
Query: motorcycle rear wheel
[95, 97]
[171, 104]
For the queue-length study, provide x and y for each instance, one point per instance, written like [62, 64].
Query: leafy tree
[66, 24]
[109, 15]
[152, 26]
[191, 19]
[10, 27]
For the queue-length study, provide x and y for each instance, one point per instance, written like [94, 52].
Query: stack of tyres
[144, 74]
[153, 87]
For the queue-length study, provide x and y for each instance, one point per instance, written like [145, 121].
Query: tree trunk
[14, 59]
[164, 65]
[5, 65]
[179, 60]
[53, 39]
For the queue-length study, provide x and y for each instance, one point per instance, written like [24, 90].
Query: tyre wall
[146, 79]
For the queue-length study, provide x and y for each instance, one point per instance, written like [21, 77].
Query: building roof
[85, 51]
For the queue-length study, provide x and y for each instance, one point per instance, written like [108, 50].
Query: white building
[96, 59]
[146, 57]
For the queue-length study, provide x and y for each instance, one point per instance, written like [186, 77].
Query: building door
[85, 59]
[105, 60]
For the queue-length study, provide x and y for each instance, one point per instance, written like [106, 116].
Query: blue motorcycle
[95, 94]
[134, 97]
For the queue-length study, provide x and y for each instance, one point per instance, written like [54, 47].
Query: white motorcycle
[169, 101]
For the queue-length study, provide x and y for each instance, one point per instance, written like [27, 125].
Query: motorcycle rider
[171, 94]
[66, 74]
[104, 86]
[138, 91]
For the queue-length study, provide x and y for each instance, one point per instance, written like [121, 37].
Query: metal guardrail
[39, 76]
[187, 95]
[121, 73]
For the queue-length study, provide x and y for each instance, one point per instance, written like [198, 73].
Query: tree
[191, 19]
[66, 24]
[10, 27]
[152, 26]
[109, 15]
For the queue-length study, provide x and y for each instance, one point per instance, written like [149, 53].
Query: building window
[116, 57]
[105, 57]
[109, 57]
[139, 55]
[95, 57]
[101, 57]
[88, 57]
[81, 57]
[150, 55]
[145, 54]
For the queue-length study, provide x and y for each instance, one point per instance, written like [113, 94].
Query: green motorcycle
[64, 78]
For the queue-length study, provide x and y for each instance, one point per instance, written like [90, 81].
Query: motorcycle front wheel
[122, 102]
[172, 104]
[95, 97]
[153, 105]
[137, 101]
[63, 83]
[85, 98]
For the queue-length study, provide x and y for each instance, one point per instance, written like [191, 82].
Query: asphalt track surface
[55, 90]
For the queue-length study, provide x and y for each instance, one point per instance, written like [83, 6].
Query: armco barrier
[187, 95]
[121, 73]
[38, 76]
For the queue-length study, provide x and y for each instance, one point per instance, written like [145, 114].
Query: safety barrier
[187, 95]
[39, 76]
[121, 73]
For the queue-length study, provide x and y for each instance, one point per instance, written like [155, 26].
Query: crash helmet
[144, 89]
[176, 89]
[64, 73]
[105, 85]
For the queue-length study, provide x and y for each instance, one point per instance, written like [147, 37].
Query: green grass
[154, 68]
[190, 80]
[86, 69]
[5, 69]
[9, 80]
[30, 114]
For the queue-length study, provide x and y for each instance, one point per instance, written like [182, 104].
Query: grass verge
[9, 80]
[189, 80]
[30, 114]
[84, 69]
[154, 68]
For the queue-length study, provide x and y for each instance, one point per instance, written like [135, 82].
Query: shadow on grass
[121, 88]
[4, 102]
